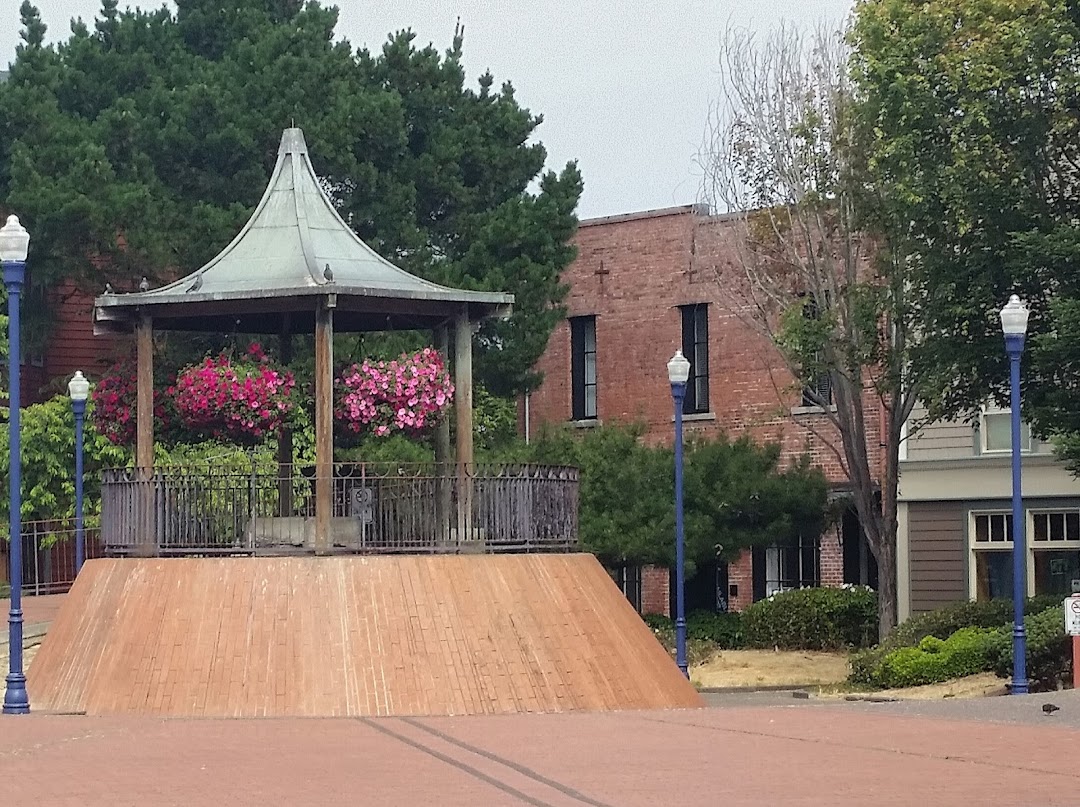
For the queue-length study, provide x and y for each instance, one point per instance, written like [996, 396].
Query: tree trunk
[887, 587]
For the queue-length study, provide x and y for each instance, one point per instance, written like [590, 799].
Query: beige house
[955, 515]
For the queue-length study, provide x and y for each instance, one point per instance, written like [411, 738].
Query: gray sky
[624, 86]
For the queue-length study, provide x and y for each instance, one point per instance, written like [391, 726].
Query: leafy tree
[138, 148]
[973, 112]
[818, 268]
[735, 496]
[48, 456]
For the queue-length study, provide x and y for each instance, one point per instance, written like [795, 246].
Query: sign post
[1072, 628]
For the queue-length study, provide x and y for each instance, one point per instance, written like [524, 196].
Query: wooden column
[443, 456]
[463, 408]
[324, 425]
[146, 537]
[144, 406]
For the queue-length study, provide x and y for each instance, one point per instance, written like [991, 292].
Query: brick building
[644, 284]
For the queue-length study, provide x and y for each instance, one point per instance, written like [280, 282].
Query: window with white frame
[991, 555]
[995, 428]
[1053, 552]
[1054, 546]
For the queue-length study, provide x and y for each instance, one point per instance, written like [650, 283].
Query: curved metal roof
[295, 245]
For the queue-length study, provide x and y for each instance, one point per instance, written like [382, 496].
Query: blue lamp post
[14, 243]
[79, 390]
[678, 372]
[1014, 319]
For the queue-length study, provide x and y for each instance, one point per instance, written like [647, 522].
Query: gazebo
[296, 266]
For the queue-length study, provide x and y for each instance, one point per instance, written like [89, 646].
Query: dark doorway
[706, 590]
[860, 568]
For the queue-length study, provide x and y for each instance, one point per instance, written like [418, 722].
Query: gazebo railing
[375, 508]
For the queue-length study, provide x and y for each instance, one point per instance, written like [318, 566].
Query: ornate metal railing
[375, 508]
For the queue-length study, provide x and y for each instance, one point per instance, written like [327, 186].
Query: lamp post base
[16, 700]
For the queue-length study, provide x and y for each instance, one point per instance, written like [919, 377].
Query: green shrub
[940, 625]
[1049, 650]
[813, 619]
[944, 622]
[725, 630]
[966, 652]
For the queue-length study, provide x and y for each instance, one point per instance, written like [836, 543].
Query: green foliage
[736, 495]
[813, 619]
[939, 625]
[943, 622]
[974, 138]
[1049, 650]
[966, 652]
[140, 146]
[725, 630]
[698, 649]
[48, 462]
[494, 421]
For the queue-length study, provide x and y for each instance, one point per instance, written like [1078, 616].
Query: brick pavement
[794, 755]
[36, 610]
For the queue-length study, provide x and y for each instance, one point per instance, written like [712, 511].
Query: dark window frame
[819, 391]
[695, 347]
[581, 328]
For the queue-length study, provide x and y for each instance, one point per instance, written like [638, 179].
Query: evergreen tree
[140, 147]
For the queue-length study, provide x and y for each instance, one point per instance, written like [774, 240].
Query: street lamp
[678, 372]
[79, 390]
[14, 243]
[1014, 319]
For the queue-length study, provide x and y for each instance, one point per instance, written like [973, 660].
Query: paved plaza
[756, 750]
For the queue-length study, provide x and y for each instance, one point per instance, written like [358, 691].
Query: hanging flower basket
[407, 395]
[242, 400]
[113, 414]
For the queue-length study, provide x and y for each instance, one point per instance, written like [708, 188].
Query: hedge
[1047, 647]
[944, 622]
[966, 652]
[1049, 650]
[813, 619]
[724, 630]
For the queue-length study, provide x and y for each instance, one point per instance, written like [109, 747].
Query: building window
[695, 346]
[787, 566]
[1055, 551]
[1053, 547]
[995, 426]
[628, 579]
[991, 540]
[583, 366]
[818, 389]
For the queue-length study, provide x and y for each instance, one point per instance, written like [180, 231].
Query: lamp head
[14, 241]
[79, 387]
[1014, 317]
[678, 369]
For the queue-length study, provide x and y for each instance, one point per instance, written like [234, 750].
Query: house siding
[942, 440]
[936, 554]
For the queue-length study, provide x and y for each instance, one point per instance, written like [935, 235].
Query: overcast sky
[624, 86]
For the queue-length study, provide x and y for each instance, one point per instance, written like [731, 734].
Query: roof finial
[292, 142]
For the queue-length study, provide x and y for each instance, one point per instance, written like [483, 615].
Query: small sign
[1072, 616]
[1076, 586]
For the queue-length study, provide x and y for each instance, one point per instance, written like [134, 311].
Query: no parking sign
[1072, 615]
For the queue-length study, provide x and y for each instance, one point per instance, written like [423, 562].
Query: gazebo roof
[294, 252]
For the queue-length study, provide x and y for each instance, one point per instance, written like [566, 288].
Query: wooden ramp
[306, 636]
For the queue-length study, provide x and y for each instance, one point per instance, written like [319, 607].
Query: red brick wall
[741, 574]
[655, 590]
[831, 558]
[631, 273]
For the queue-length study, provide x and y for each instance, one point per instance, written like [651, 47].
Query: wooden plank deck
[357, 636]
